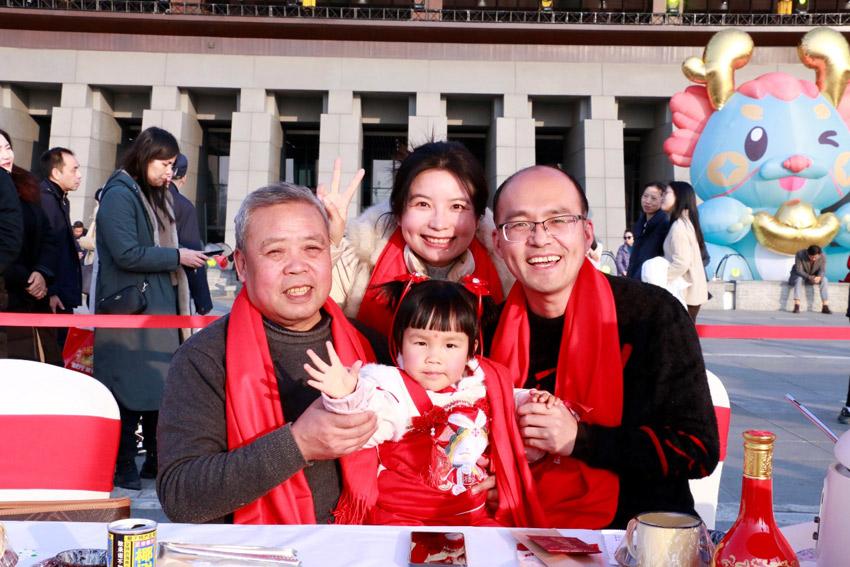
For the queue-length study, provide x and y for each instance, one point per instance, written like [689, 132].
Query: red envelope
[560, 544]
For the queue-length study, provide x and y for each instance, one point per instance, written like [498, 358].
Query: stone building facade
[248, 111]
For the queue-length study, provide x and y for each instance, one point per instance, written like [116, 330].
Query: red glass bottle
[754, 540]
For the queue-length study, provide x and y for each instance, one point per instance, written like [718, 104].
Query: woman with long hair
[436, 222]
[137, 248]
[684, 246]
[28, 276]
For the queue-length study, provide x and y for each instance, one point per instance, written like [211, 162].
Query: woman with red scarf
[436, 222]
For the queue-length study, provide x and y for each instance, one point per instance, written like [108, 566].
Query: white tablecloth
[379, 546]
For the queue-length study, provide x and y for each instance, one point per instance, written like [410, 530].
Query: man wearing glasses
[637, 420]
[623, 253]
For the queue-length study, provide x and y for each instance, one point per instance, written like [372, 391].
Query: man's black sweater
[669, 430]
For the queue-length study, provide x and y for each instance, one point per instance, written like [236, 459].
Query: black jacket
[11, 222]
[668, 432]
[68, 284]
[649, 240]
[38, 254]
[189, 236]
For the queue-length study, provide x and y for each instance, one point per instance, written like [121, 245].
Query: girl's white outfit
[382, 390]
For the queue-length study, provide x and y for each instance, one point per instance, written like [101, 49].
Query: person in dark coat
[28, 276]
[189, 236]
[650, 230]
[137, 246]
[62, 172]
[810, 269]
[11, 228]
[624, 252]
[638, 421]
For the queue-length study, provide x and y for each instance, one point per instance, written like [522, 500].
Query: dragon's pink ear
[691, 110]
[844, 107]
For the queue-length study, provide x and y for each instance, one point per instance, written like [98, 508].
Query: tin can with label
[132, 543]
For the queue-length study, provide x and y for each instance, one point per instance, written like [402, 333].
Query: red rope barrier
[774, 332]
[200, 321]
[106, 321]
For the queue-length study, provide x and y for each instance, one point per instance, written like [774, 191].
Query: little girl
[439, 412]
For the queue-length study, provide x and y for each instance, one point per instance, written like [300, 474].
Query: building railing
[293, 9]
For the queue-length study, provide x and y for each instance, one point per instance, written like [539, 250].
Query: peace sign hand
[337, 202]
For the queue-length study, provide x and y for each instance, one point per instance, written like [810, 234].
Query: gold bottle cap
[758, 454]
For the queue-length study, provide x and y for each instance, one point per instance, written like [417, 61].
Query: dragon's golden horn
[726, 52]
[826, 51]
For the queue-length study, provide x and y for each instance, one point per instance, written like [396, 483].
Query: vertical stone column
[595, 157]
[256, 137]
[654, 164]
[85, 125]
[511, 143]
[173, 110]
[341, 135]
[16, 121]
[427, 121]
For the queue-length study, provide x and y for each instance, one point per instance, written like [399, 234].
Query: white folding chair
[59, 432]
[706, 490]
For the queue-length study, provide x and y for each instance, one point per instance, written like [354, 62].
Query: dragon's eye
[826, 138]
[756, 143]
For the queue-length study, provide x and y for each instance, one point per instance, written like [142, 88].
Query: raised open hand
[334, 379]
[337, 201]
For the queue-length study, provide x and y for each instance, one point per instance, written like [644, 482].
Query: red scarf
[253, 409]
[518, 504]
[375, 312]
[589, 373]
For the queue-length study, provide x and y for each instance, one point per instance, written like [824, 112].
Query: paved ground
[757, 375]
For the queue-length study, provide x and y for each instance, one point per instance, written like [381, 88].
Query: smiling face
[435, 359]
[286, 264]
[438, 222]
[766, 151]
[547, 267]
[160, 171]
[7, 156]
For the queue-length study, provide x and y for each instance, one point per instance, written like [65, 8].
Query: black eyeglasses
[519, 231]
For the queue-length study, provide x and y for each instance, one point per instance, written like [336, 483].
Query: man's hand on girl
[544, 397]
[552, 429]
[533, 454]
[337, 202]
[334, 379]
[487, 485]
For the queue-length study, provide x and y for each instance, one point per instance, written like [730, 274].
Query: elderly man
[242, 437]
[637, 421]
[810, 268]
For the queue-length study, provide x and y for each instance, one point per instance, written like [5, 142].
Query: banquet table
[331, 545]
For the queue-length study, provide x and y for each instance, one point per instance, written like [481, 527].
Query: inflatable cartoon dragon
[770, 159]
